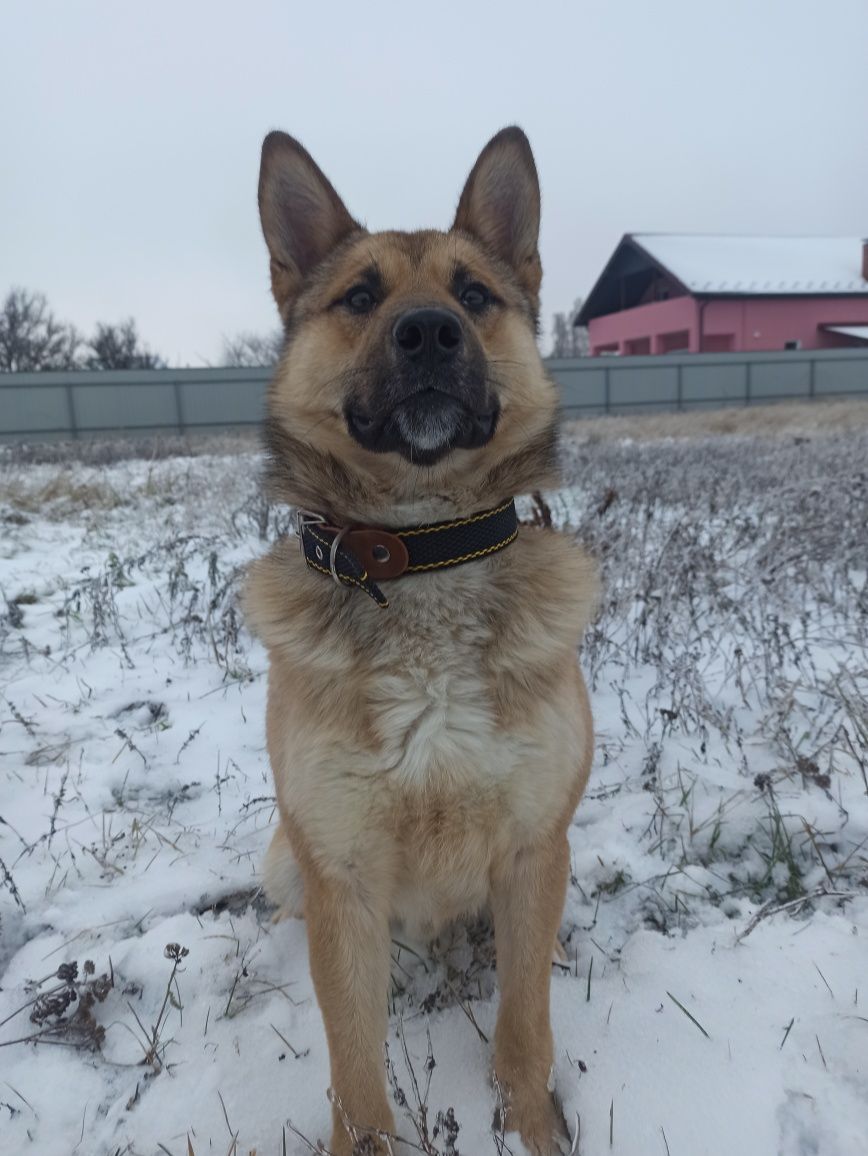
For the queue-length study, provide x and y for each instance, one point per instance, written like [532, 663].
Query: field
[716, 927]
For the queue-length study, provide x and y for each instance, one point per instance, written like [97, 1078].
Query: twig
[692, 1018]
[467, 1012]
[774, 908]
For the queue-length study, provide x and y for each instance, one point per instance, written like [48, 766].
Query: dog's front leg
[528, 892]
[348, 934]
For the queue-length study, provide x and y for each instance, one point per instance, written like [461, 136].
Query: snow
[717, 263]
[715, 927]
[860, 331]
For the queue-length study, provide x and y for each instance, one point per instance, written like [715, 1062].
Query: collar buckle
[333, 554]
[305, 518]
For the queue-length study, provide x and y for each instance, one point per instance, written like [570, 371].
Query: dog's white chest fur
[435, 718]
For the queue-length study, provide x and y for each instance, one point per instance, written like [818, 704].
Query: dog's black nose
[433, 336]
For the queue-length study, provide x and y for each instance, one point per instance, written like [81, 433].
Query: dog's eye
[475, 297]
[359, 299]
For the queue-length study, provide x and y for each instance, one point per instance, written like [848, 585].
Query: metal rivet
[319, 553]
[380, 553]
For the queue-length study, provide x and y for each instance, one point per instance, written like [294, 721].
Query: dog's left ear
[500, 206]
[303, 218]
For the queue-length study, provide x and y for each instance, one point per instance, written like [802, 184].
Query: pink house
[662, 292]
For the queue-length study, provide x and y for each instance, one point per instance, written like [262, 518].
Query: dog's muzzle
[425, 425]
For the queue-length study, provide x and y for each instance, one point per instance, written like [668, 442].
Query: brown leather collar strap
[382, 553]
[361, 555]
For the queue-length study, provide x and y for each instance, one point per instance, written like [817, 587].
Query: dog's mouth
[424, 427]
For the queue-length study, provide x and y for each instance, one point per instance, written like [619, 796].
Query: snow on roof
[761, 265]
[860, 331]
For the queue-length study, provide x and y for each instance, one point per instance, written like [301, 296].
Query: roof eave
[582, 317]
[628, 239]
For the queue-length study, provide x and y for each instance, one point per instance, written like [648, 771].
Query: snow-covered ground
[717, 922]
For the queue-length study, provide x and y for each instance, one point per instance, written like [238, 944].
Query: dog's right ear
[303, 218]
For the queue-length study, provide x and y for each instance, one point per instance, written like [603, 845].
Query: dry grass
[76, 994]
[88, 493]
[106, 451]
[63, 494]
[786, 418]
[734, 579]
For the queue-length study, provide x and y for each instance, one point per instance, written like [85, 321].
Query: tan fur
[427, 758]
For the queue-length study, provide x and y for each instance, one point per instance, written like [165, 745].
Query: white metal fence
[707, 380]
[141, 403]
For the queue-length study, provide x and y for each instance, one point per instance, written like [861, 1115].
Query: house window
[673, 342]
[638, 346]
[717, 343]
[792, 345]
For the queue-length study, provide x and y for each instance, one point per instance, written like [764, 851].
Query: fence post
[748, 382]
[179, 411]
[812, 384]
[679, 387]
[70, 406]
[607, 390]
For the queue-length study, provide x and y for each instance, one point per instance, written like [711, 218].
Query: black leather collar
[358, 555]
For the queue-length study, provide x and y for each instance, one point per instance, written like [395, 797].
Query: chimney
[865, 259]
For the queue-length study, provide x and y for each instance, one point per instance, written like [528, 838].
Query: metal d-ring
[333, 554]
[306, 518]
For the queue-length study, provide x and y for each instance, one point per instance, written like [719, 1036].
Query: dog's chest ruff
[435, 717]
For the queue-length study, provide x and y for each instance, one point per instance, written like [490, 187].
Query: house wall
[614, 332]
[728, 323]
[768, 323]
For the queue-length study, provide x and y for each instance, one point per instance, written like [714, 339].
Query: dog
[428, 726]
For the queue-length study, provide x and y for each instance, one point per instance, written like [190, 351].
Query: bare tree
[560, 335]
[581, 337]
[569, 339]
[251, 349]
[118, 347]
[31, 337]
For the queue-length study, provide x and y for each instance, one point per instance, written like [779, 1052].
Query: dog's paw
[365, 1144]
[540, 1123]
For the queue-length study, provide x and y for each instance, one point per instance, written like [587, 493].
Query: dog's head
[410, 374]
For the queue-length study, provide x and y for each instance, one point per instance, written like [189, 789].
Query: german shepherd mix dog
[428, 727]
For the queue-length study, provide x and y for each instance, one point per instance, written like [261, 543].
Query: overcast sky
[131, 134]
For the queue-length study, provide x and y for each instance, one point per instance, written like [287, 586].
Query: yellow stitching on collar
[465, 557]
[452, 525]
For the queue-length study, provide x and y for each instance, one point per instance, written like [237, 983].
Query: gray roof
[759, 265]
